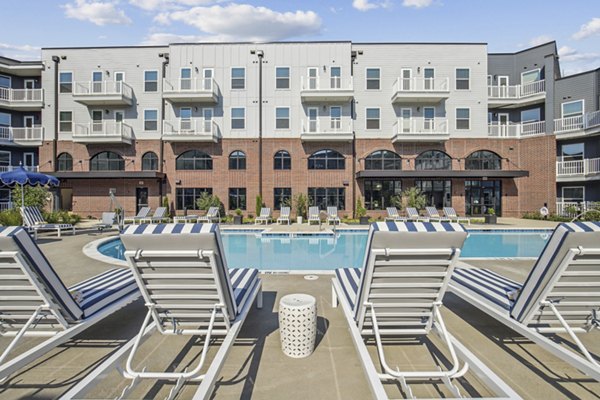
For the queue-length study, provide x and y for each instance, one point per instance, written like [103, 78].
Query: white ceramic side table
[298, 324]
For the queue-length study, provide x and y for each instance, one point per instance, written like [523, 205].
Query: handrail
[102, 88]
[309, 83]
[190, 126]
[21, 95]
[103, 128]
[516, 130]
[515, 92]
[421, 125]
[578, 122]
[328, 125]
[190, 85]
[417, 84]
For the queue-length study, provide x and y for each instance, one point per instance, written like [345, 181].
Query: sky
[506, 25]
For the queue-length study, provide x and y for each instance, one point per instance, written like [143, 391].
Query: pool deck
[256, 368]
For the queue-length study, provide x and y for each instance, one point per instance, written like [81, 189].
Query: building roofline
[107, 47]
[17, 63]
[187, 43]
[421, 43]
[590, 71]
[524, 50]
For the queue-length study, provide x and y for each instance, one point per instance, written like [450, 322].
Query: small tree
[206, 201]
[396, 201]
[360, 210]
[165, 204]
[301, 202]
[259, 204]
[35, 196]
[413, 197]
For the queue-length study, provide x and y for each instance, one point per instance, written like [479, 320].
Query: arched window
[150, 161]
[193, 160]
[64, 162]
[383, 160]
[483, 159]
[107, 161]
[237, 160]
[326, 159]
[433, 160]
[282, 160]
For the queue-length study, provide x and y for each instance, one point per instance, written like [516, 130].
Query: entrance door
[313, 119]
[65, 199]
[483, 195]
[141, 198]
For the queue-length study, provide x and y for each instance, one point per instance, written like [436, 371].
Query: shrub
[550, 217]
[11, 217]
[61, 217]
[413, 197]
[165, 204]
[207, 201]
[301, 202]
[360, 210]
[258, 204]
[35, 196]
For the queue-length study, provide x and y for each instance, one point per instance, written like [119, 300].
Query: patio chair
[314, 215]
[394, 216]
[451, 214]
[265, 216]
[188, 289]
[107, 222]
[33, 221]
[413, 215]
[36, 303]
[185, 219]
[434, 216]
[141, 215]
[212, 215]
[560, 295]
[160, 215]
[332, 215]
[284, 215]
[397, 294]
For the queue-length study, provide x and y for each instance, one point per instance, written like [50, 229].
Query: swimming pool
[317, 252]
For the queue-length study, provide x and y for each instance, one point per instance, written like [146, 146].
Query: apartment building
[21, 103]
[337, 121]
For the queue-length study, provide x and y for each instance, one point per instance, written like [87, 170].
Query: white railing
[31, 134]
[185, 85]
[103, 129]
[517, 130]
[5, 205]
[328, 125]
[574, 208]
[190, 126]
[577, 123]
[31, 168]
[21, 95]
[420, 125]
[326, 83]
[578, 167]
[103, 88]
[422, 85]
[517, 91]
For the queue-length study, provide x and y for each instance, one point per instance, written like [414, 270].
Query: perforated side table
[298, 324]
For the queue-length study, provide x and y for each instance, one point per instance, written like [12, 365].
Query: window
[463, 118]
[282, 160]
[237, 160]
[531, 115]
[379, 193]
[150, 120]
[238, 118]
[572, 152]
[373, 78]
[185, 79]
[438, 193]
[572, 109]
[150, 161]
[282, 118]
[65, 82]
[107, 161]
[238, 78]
[483, 159]
[150, 81]
[530, 76]
[573, 193]
[383, 160]
[463, 79]
[237, 198]
[65, 121]
[4, 81]
[327, 197]
[5, 157]
[187, 198]
[373, 118]
[433, 160]
[193, 160]
[64, 162]
[282, 197]
[5, 119]
[282, 78]
[326, 159]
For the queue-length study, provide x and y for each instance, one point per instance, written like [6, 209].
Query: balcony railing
[422, 85]
[103, 88]
[190, 129]
[587, 166]
[189, 85]
[103, 132]
[420, 125]
[574, 208]
[22, 98]
[31, 136]
[517, 130]
[516, 92]
[327, 125]
[31, 168]
[324, 83]
[577, 123]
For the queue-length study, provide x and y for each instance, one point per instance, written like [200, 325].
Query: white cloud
[568, 55]
[20, 52]
[246, 22]
[588, 29]
[540, 40]
[417, 3]
[160, 38]
[366, 5]
[97, 12]
[152, 5]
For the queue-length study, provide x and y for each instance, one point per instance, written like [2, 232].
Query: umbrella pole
[22, 196]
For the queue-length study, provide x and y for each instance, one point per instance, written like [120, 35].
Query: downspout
[161, 148]
[56, 60]
[260, 54]
[352, 105]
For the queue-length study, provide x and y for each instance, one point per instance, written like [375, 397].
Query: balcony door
[313, 78]
[335, 113]
[207, 117]
[313, 119]
[119, 116]
[406, 74]
[336, 77]
[119, 79]
[429, 77]
[97, 121]
[503, 122]
[207, 75]
[185, 79]
[28, 124]
[503, 86]
[29, 161]
[97, 82]
[429, 119]
[405, 119]
[185, 118]
[29, 85]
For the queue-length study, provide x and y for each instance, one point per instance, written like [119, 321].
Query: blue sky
[507, 25]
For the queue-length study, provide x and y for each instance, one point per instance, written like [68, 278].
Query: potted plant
[361, 213]
[490, 216]
[238, 218]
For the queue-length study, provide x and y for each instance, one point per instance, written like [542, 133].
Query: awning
[109, 175]
[471, 174]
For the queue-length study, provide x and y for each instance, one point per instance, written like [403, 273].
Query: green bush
[258, 204]
[61, 217]
[165, 204]
[11, 217]
[301, 202]
[360, 210]
[550, 217]
[413, 197]
[35, 196]
[207, 201]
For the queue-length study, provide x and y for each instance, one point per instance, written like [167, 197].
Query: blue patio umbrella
[22, 177]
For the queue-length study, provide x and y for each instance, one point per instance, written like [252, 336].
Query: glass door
[336, 77]
[28, 124]
[185, 81]
[406, 79]
[119, 78]
[207, 115]
[141, 198]
[482, 195]
[429, 75]
[119, 116]
[313, 77]
[207, 80]
[336, 118]
[313, 121]
[406, 120]
[185, 118]
[29, 89]
[97, 82]
[97, 121]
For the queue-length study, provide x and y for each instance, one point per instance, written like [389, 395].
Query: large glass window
[572, 109]
[238, 118]
[186, 198]
[65, 121]
[282, 197]
[150, 161]
[463, 79]
[326, 197]
[4, 81]
[532, 115]
[237, 198]
[463, 118]
[238, 78]
[530, 76]
[282, 160]
[237, 160]
[373, 78]
[65, 82]
[282, 118]
[433, 160]
[5, 119]
[483, 159]
[572, 152]
[437, 192]
[373, 115]
[193, 160]
[573, 193]
[326, 159]
[150, 120]
[150, 81]
[64, 162]
[282, 78]
[383, 160]
[107, 161]
[379, 193]
[480, 196]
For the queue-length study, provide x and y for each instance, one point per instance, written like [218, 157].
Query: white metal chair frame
[434, 215]
[284, 217]
[394, 215]
[161, 211]
[212, 215]
[38, 223]
[312, 217]
[413, 215]
[451, 214]
[332, 218]
[265, 216]
[140, 216]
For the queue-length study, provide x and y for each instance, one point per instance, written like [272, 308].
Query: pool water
[283, 252]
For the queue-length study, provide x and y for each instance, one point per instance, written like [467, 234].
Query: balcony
[581, 125]
[578, 170]
[333, 89]
[517, 130]
[32, 136]
[419, 129]
[22, 99]
[517, 95]
[188, 90]
[103, 93]
[103, 132]
[327, 129]
[31, 168]
[573, 208]
[190, 130]
[420, 90]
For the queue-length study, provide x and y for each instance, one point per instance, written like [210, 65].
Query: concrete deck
[256, 368]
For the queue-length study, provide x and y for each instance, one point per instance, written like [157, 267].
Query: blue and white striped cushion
[242, 280]
[157, 229]
[485, 283]
[54, 226]
[349, 279]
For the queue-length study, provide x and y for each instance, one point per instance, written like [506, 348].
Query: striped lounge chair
[393, 215]
[34, 222]
[412, 214]
[434, 215]
[43, 306]
[332, 216]
[160, 215]
[265, 216]
[451, 214]
[141, 215]
[560, 295]
[284, 215]
[212, 215]
[398, 294]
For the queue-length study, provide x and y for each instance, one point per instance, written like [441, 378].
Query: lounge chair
[265, 216]
[332, 215]
[185, 219]
[413, 215]
[212, 215]
[33, 221]
[189, 291]
[107, 222]
[284, 215]
[398, 294]
[141, 215]
[560, 295]
[434, 216]
[394, 216]
[314, 215]
[451, 214]
[43, 306]
[160, 215]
